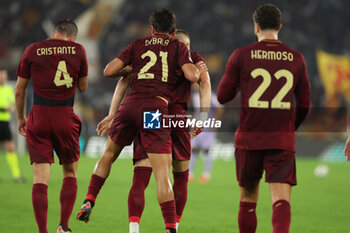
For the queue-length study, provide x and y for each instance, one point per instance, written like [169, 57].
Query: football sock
[40, 205]
[136, 200]
[12, 161]
[67, 198]
[96, 183]
[247, 221]
[180, 192]
[133, 227]
[281, 216]
[169, 214]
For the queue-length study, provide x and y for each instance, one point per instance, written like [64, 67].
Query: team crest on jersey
[151, 119]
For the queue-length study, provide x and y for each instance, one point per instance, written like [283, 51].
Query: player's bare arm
[204, 94]
[125, 71]
[191, 72]
[112, 68]
[117, 98]
[82, 84]
[20, 93]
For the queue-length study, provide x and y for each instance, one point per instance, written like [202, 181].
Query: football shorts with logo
[129, 121]
[181, 143]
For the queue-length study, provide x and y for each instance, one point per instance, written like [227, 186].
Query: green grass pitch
[318, 205]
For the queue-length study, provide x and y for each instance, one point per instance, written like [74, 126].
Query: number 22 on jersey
[67, 79]
[153, 59]
[276, 102]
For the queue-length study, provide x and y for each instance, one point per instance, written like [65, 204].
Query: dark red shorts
[279, 166]
[129, 121]
[53, 128]
[181, 141]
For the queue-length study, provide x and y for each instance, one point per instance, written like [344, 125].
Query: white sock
[177, 226]
[133, 227]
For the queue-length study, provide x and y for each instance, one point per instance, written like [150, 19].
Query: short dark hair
[268, 16]
[181, 31]
[163, 20]
[67, 27]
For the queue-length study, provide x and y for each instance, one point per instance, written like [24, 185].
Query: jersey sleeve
[184, 56]
[84, 64]
[196, 57]
[302, 96]
[23, 69]
[126, 55]
[228, 85]
[303, 85]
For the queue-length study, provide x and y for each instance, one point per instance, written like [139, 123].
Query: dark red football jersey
[182, 93]
[268, 74]
[54, 67]
[155, 60]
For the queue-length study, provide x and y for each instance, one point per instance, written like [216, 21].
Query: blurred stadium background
[319, 29]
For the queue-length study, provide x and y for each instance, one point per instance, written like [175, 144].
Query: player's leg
[281, 175]
[12, 160]
[41, 176]
[193, 161]
[100, 174]
[247, 221]
[180, 174]
[208, 160]
[68, 194]
[41, 156]
[161, 165]
[249, 169]
[281, 214]
[136, 199]
[208, 164]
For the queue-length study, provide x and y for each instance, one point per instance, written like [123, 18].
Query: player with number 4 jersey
[57, 67]
[269, 74]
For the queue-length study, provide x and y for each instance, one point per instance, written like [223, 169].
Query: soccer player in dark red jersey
[155, 61]
[181, 144]
[268, 74]
[57, 67]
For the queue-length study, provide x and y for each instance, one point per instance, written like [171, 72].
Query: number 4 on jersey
[67, 79]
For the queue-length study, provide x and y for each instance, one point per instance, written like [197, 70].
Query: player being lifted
[155, 61]
[57, 67]
[268, 74]
[181, 144]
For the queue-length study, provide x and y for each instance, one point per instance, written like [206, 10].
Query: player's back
[271, 73]
[182, 93]
[155, 60]
[55, 67]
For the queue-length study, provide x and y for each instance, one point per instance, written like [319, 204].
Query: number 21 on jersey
[153, 59]
[276, 102]
[67, 79]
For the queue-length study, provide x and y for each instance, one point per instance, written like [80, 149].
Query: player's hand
[104, 125]
[347, 149]
[195, 131]
[22, 126]
[202, 67]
